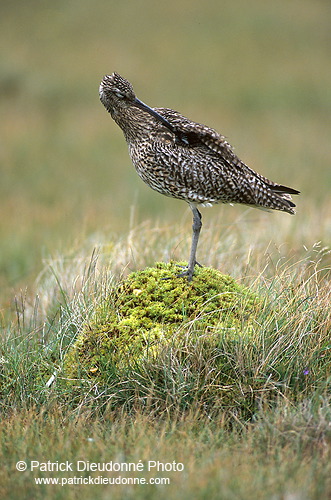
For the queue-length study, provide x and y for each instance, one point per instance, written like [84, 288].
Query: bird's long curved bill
[154, 113]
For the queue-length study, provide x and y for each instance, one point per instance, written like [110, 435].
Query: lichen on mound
[151, 308]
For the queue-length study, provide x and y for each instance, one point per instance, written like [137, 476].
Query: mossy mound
[154, 308]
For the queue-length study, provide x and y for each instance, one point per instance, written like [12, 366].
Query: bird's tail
[283, 194]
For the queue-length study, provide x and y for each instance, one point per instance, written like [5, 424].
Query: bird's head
[117, 95]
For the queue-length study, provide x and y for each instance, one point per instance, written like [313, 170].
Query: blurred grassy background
[259, 72]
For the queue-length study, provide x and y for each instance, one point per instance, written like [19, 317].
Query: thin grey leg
[196, 228]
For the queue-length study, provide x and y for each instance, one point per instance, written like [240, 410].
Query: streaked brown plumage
[186, 160]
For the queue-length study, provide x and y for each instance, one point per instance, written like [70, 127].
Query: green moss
[144, 312]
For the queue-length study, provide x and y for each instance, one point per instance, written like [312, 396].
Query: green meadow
[76, 220]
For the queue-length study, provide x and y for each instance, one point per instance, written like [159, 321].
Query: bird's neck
[135, 123]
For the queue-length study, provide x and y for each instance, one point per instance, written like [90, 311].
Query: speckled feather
[184, 159]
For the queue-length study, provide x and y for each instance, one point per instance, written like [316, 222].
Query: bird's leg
[196, 228]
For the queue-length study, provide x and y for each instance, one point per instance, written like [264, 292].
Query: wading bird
[186, 160]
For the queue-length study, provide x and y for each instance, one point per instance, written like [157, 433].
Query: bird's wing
[192, 134]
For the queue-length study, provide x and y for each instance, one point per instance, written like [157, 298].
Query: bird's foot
[189, 271]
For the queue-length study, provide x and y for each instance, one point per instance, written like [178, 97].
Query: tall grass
[292, 331]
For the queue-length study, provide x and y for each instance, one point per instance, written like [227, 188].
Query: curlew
[186, 160]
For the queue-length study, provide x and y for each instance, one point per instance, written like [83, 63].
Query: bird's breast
[173, 171]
